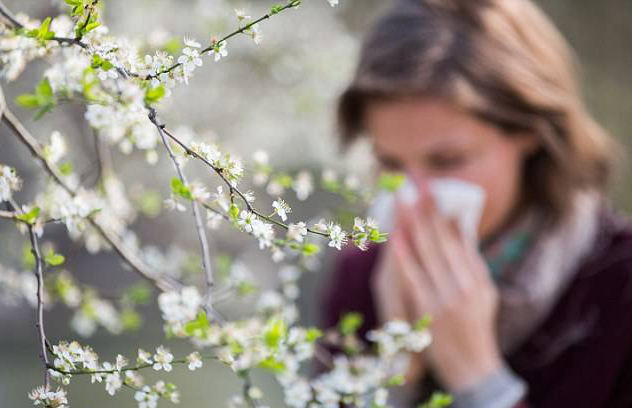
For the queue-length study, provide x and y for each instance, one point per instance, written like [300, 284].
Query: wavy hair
[504, 62]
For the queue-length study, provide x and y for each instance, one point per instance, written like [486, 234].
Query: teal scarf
[507, 250]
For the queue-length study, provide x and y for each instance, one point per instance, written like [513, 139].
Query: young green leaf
[391, 181]
[154, 95]
[350, 323]
[275, 332]
[178, 188]
[438, 400]
[29, 217]
[54, 259]
[43, 98]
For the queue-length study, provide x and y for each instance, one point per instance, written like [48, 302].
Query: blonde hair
[504, 62]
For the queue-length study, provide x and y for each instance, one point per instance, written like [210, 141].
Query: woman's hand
[393, 303]
[441, 275]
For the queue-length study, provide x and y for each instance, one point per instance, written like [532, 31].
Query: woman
[540, 314]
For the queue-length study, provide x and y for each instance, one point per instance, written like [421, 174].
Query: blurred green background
[279, 97]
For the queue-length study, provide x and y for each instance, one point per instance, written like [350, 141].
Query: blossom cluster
[41, 396]
[73, 359]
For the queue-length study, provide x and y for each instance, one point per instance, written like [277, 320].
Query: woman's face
[429, 138]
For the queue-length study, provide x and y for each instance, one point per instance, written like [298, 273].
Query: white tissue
[454, 198]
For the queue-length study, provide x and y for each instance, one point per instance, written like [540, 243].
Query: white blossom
[144, 357]
[256, 34]
[48, 398]
[337, 236]
[246, 220]
[297, 232]
[241, 14]
[9, 182]
[194, 361]
[303, 185]
[179, 307]
[298, 394]
[213, 219]
[281, 208]
[162, 359]
[113, 383]
[146, 397]
[120, 362]
[219, 51]
[190, 58]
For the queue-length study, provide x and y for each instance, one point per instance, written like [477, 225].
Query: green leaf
[312, 334]
[29, 217]
[44, 90]
[285, 180]
[245, 288]
[42, 33]
[178, 188]
[66, 168]
[309, 249]
[91, 26]
[43, 29]
[74, 3]
[27, 101]
[54, 259]
[173, 46]
[377, 236]
[233, 211]
[139, 293]
[391, 181]
[200, 323]
[151, 203]
[438, 400]
[275, 332]
[396, 380]
[350, 323]
[273, 365]
[153, 95]
[100, 62]
[43, 98]
[131, 319]
[276, 8]
[422, 323]
[89, 81]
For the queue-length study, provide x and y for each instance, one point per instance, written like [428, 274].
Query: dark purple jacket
[581, 356]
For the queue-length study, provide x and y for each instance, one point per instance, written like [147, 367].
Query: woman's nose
[418, 177]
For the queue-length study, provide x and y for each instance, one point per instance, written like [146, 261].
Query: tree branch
[231, 187]
[199, 223]
[9, 16]
[39, 274]
[291, 3]
[163, 282]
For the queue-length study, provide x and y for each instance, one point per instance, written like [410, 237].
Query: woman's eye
[447, 162]
[389, 165]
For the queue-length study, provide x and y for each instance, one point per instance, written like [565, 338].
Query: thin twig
[9, 16]
[199, 223]
[291, 3]
[4, 11]
[114, 370]
[231, 187]
[39, 274]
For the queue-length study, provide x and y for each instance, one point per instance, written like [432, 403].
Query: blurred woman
[539, 312]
